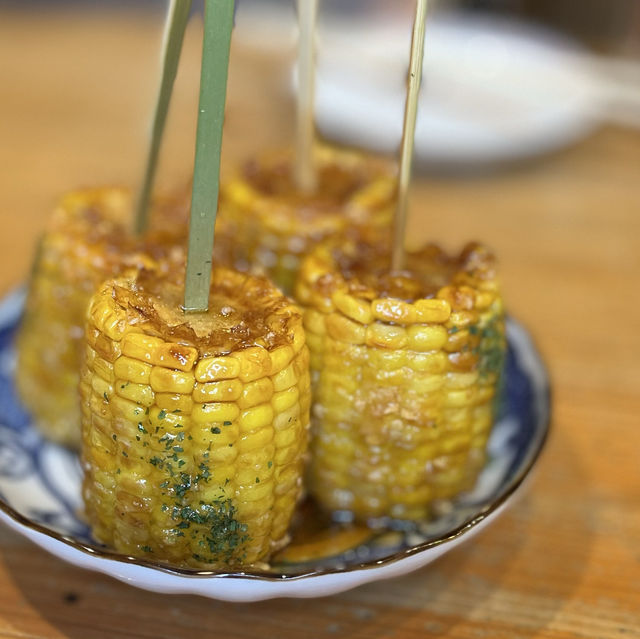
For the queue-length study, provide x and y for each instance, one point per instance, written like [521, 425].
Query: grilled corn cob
[194, 427]
[275, 225]
[86, 242]
[405, 368]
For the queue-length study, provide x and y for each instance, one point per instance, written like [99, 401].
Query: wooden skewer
[218, 24]
[175, 26]
[408, 133]
[304, 167]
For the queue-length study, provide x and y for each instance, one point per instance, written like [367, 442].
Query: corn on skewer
[194, 427]
[275, 225]
[405, 369]
[87, 241]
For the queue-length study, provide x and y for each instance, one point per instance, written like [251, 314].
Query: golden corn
[87, 241]
[214, 481]
[275, 226]
[405, 368]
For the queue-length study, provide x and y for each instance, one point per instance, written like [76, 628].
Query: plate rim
[10, 311]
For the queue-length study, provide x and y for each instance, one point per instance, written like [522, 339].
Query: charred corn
[194, 427]
[405, 369]
[275, 225]
[86, 242]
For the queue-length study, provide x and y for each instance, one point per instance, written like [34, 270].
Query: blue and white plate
[40, 499]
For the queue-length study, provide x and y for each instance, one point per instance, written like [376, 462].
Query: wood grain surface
[564, 562]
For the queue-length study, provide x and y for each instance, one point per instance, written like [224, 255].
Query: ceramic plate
[493, 91]
[40, 498]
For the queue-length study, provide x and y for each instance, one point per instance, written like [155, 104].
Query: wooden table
[562, 563]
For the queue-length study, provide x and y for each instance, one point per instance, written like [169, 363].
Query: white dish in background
[40, 499]
[493, 90]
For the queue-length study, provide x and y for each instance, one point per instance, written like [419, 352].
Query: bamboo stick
[304, 167]
[175, 26]
[408, 133]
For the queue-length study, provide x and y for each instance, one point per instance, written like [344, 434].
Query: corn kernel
[257, 392]
[132, 370]
[126, 408]
[284, 400]
[429, 311]
[434, 362]
[226, 390]
[299, 341]
[254, 363]
[141, 394]
[255, 440]
[387, 336]
[165, 380]
[112, 322]
[213, 369]
[287, 418]
[353, 308]
[345, 330]
[314, 322]
[256, 493]
[390, 310]
[426, 338]
[174, 403]
[103, 368]
[284, 379]
[215, 412]
[280, 358]
[461, 380]
[256, 417]
[463, 319]
[384, 359]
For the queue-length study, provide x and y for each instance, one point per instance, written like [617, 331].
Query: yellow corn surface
[403, 389]
[275, 225]
[193, 449]
[87, 241]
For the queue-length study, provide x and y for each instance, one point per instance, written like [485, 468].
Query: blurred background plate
[494, 89]
[503, 81]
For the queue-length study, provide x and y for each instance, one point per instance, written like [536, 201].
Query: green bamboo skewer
[175, 26]
[218, 23]
[408, 133]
